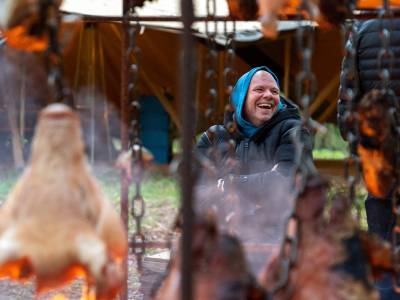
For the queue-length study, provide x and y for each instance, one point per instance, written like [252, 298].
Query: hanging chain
[349, 92]
[211, 62]
[304, 167]
[135, 143]
[49, 12]
[385, 65]
[230, 75]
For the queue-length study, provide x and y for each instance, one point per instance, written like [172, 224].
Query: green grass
[329, 154]
[160, 193]
[157, 189]
[7, 180]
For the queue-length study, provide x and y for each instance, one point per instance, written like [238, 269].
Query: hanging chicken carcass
[377, 142]
[334, 259]
[326, 12]
[218, 266]
[56, 224]
[23, 22]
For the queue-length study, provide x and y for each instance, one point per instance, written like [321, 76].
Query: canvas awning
[246, 31]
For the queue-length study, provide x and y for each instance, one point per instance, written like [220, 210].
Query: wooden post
[287, 62]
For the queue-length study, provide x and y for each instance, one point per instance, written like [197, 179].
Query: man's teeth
[265, 106]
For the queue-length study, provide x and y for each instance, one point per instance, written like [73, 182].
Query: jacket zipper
[245, 151]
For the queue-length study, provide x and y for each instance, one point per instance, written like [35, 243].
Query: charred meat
[377, 144]
[334, 258]
[220, 271]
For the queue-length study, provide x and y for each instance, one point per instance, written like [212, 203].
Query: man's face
[262, 98]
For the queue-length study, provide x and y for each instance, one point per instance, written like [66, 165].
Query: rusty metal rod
[358, 14]
[124, 111]
[187, 115]
[91, 18]
[151, 244]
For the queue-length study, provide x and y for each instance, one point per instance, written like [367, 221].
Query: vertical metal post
[187, 114]
[124, 111]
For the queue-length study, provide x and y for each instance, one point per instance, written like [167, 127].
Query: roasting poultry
[219, 268]
[334, 258]
[334, 12]
[377, 145]
[24, 24]
[325, 12]
[56, 224]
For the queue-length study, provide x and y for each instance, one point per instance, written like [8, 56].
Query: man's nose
[267, 94]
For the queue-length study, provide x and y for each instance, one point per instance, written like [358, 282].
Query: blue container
[154, 121]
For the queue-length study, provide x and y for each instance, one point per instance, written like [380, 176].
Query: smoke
[21, 95]
[24, 92]
[100, 124]
[255, 213]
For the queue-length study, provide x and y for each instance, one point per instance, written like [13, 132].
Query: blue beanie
[238, 97]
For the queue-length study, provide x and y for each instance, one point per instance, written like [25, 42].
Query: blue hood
[238, 97]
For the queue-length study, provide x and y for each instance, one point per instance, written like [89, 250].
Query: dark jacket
[368, 44]
[271, 147]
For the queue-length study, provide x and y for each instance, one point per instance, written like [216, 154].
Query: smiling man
[262, 98]
[266, 124]
[263, 159]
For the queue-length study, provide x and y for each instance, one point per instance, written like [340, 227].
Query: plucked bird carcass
[218, 266]
[333, 259]
[24, 22]
[378, 142]
[327, 13]
[56, 224]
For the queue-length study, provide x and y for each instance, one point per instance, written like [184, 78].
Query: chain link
[230, 76]
[385, 65]
[304, 168]
[49, 12]
[138, 206]
[211, 62]
[306, 87]
[350, 90]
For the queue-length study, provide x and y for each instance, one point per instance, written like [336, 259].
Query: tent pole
[106, 115]
[287, 60]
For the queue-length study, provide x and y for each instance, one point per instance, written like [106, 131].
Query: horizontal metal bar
[260, 247]
[90, 18]
[358, 14]
[151, 245]
[373, 13]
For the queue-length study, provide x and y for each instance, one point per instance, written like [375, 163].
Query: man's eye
[275, 92]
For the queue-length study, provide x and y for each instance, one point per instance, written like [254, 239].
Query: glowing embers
[56, 225]
[87, 294]
[378, 143]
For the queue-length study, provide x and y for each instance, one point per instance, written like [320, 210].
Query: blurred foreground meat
[335, 12]
[56, 224]
[377, 146]
[325, 12]
[334, 258]
[24, 25]
[220, 271]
